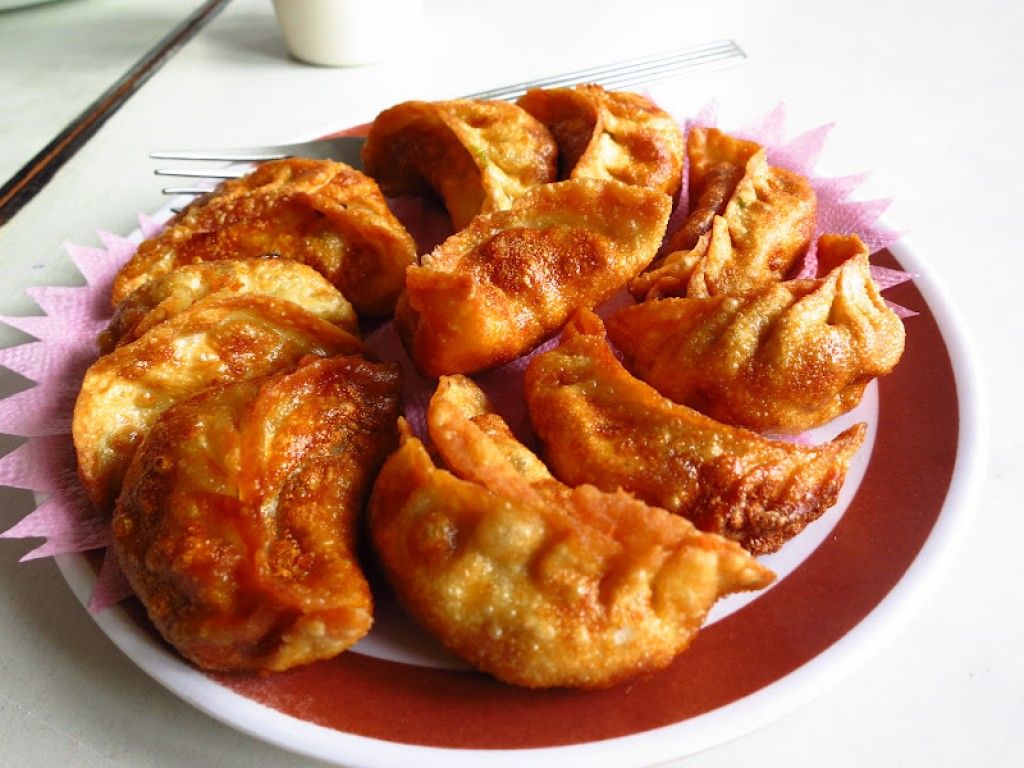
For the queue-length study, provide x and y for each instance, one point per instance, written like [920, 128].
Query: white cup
[342, 33]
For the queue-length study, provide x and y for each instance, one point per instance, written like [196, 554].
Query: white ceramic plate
[848, 583]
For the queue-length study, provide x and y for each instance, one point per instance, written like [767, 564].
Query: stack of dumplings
[599, 424]
[324, 214]
[236, 421]
[537, 582]
[782, 358]
[244, 438]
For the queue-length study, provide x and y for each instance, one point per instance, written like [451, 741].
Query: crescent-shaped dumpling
[600, 425]
[532, 581]
[493, 291]
[164, 297]
[479, 156]
[784, 358]
[605, 135]
[716, 164]
[218, 340]
[748, 225]
[237, 524]
[317, 212]
[709, 150]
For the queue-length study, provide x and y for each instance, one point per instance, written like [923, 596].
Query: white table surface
[57, 58]
[929, 96]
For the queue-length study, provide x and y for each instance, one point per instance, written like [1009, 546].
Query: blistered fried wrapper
[73, 318]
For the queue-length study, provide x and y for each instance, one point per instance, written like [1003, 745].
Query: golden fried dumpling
[708, 150]
[162, 298]
[532, 581]
[749, 224]
[716, 164]
[237, 524]
[215, 341]
[479, 156]
[318, 212]
[494, 290]
[600, 425]
[605, 135]
[784, 358]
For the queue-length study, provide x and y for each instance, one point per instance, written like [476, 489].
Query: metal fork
[617, 76]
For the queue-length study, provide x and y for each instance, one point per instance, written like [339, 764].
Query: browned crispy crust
[599, 424]
[479, 156]
[215, 341]
[532, 581]
[605, 135]
[719, 184]
[749, 222]
[784, 358]
[716, 164]
[493, 291]
[320, 213]
[164, 297]
[708, 149]
[237, 522]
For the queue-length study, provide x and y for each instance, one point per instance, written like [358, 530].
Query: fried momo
[238, 520]
[496, 289]
[708, 149]
[600, 425]
[479, 156]
[784, 358]
[717, 162]
[604, 135]
[164, 297]
[218, 340]
[532, 581]
[317, 212]
[749, 223]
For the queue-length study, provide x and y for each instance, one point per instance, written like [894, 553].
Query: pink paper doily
[66, 346]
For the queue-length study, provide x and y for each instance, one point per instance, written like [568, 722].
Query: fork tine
[184, 191]
[602, 73]
[652, 74]
[343, 148]
[689, 60]
[198, 174]
[614, 76]
[669, 61]
[217, 154]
